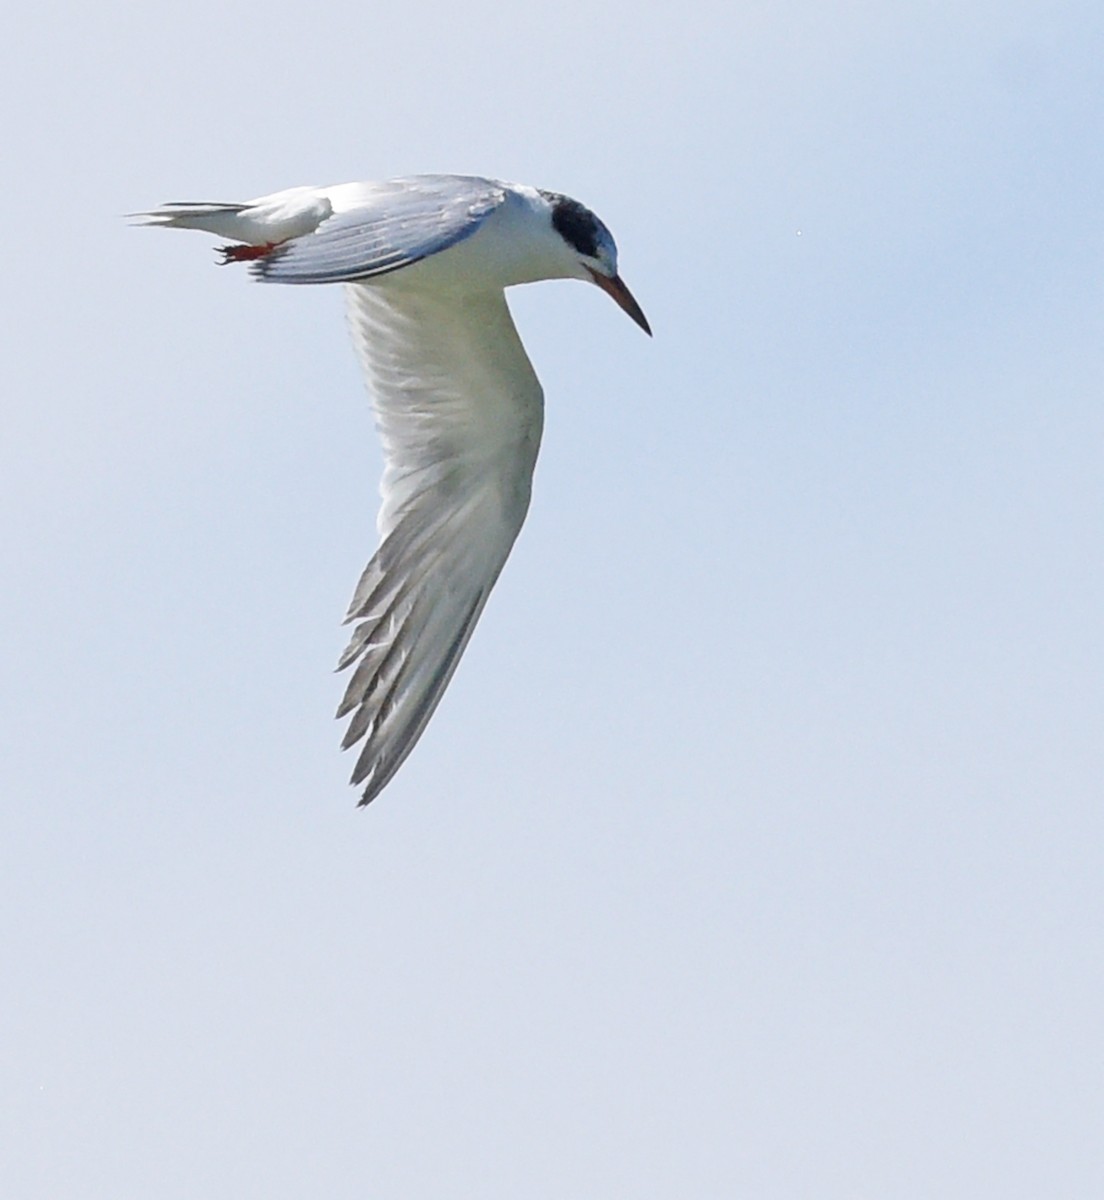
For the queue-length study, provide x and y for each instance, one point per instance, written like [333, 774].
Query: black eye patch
[577, 225]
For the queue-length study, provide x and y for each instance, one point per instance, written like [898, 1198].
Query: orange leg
[232, 254]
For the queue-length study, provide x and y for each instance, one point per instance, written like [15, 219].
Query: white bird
[425, 261]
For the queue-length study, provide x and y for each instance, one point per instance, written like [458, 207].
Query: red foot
[246, 253]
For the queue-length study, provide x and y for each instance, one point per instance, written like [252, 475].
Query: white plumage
[426, 261]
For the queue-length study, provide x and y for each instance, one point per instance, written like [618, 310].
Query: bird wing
[460, 413]
[379, 227]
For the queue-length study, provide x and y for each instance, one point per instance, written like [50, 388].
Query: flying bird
[425, 261]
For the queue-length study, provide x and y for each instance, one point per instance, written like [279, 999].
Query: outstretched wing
[460, 413]
[379, 227]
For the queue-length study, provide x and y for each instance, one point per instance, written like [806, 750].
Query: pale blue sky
[757, 848]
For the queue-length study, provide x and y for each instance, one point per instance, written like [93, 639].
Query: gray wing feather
[460, 414]
[408, 641]
[391, 225]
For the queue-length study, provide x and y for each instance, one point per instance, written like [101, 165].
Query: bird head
[595, 251]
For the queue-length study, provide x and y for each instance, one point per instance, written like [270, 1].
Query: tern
[425, 261]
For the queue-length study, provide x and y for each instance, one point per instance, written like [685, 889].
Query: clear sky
[757, 848]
